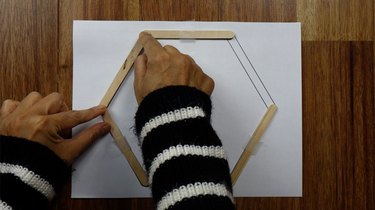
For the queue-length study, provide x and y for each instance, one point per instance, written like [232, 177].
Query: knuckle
[56, 95]
[75, 115]
[8, 102]
[169, 47]
[189, 58]
[83, 115]
[183, 60]
[35, 94]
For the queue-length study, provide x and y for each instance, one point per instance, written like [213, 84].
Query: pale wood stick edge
[191, 34]
[126, 150]
[254, 140]
[121, 75]
[116, 133]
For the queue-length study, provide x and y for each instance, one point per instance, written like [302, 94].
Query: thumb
[72, 148]
[140, 68]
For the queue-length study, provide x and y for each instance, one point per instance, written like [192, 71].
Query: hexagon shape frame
[120, 139]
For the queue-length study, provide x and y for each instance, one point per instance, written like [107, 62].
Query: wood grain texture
[338, 123]
[338, 82]
[176, 10]
[259, 10]
[224, 10]
[28, 47]
[70, 10]
[336, 20]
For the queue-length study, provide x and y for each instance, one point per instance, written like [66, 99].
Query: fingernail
[106, 127]
[103, 128]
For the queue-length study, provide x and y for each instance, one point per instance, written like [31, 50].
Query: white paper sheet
[274, 50]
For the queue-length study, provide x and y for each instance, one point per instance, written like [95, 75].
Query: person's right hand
[159, 67]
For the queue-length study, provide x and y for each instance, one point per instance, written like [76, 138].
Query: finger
[50, 104]
[65, 133]
[150, 45]
[8, 107]
[170, 49]
[70, 119]
[140, 68]
[30, 100]
[72, 148]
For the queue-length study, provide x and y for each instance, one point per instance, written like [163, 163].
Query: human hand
[159, 67]
[43, 120]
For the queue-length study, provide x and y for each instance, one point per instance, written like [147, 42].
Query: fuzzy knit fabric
[184, 158]
[30, 174]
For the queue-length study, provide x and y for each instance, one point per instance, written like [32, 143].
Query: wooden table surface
[338, 81]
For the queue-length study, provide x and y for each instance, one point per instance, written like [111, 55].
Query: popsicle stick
[126, 150]
[116, 133]
[190, 34]
[157, 34]
[121, 74]
[255, 138]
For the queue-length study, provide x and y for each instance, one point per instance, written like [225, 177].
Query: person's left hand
[43, 119]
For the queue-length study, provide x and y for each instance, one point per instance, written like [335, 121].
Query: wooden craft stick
[116, 133]
[126, 66]
[187, 34]
[121, 74]
[126, 150]
[255, 138]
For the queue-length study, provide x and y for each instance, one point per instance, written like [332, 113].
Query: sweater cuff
[186, 101]
[34, 164]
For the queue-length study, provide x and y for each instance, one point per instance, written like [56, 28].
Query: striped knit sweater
[183, 156]
[30, 174]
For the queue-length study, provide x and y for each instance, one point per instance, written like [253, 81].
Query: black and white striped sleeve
[184, 158]
[30, 174]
